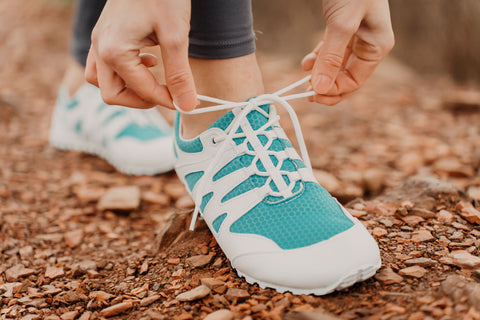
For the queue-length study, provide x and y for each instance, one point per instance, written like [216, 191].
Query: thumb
[178, 74]
[330, 57]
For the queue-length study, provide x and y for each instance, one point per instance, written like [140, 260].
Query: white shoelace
[247, 107]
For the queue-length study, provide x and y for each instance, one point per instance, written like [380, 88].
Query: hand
[357, 37]
[115, 64]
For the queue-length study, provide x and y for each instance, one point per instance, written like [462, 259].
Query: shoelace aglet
[194, 219]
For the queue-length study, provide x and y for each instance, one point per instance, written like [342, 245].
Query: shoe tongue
[255, 118]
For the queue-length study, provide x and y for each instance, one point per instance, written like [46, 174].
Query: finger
[330, 56]
[178, 74]
[327, 100]
[148, 60]
[114, 91]
[128, 66]
[91, 69]
[309, 60]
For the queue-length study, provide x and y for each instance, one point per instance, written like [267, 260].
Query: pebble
[156, 198]
[74, 238]
[26, 252]
[184, 202]
[422, 236]
[54, 272]
[175, 190]
[327, 180]
[17, 271]
[100, 295]
[464, 259]
[116, 309]
[412, 220]
[235, 293]
[468, 212]
[211, 282]
[413, 271]
[144, 268]
[149, 300]
[423, 262]
[7, 289]
[474, 192]
[379, 232]
[86, 265]
[85, 316]
[395, 309]
[194, 294]
[125, 198]
[314, 315]
[424, 213]
[71, 315]
[388, 276]
[222, 314]
[444, 216]
[199, 260]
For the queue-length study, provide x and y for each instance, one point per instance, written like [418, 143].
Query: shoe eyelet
[213, 140]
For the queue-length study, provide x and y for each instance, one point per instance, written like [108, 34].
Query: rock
[85, 316]
[420, 212]
[184, 202]
[120, 199]
[26, 252]
[412, 220]
[474, 193]
[100, 296]
[388, 276]
[414, 271]
[175, 190]
[423, 262]
[156, 198]
[379, 232]
[194, 294]
[74, 238]
[172, 229]
[464, 259]
[30, 317]
[7, 289]
[468, 212]
[395, 309]
[116, 309]
[453, 168]
[139, 290]
[71, 315]
[211, 282]
[199, 260]
[144, 268]
[422, 236]
[222, 314]
[457, 288]
[327, 180]
[17, 271]
[149, 300]
[310, 315]
[444, 216]
[348, 193]
[88, 194]
[54, 272]
[236, 294]
[373, 180]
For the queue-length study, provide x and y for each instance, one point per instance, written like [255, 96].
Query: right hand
[117, 67]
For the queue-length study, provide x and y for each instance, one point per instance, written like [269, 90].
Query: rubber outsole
[96, 151]
[359, 275]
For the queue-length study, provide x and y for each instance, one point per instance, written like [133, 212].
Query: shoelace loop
[247, 107]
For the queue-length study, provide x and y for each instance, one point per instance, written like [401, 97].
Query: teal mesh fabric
[192, 179]
[218, 222]
[252, 182]
[78, 126]
[206, 198]
[309, 218]
[194, 145]
[288, 165]
[224, 121]
[276, 145]
[72, 104]
[234, 165]
[143, 133]
[299, 163]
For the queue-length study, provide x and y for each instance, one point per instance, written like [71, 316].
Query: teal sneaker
[134, 141]
[275, 223]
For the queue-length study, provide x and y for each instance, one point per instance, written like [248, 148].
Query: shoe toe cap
[338, 262]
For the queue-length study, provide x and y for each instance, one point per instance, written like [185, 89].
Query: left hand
[357, 37]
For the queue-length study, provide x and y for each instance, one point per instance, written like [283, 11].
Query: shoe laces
[259, 151]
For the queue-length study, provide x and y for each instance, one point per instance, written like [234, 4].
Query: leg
[222, 59]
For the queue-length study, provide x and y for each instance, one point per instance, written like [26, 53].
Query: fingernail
[322, 84]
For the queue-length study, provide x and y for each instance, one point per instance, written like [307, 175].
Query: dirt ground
[403, 155]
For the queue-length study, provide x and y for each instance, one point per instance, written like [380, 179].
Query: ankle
[74, 77]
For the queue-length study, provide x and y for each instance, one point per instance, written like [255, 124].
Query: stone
[222, 314]
[444, 216]
[7, 289]
[26, 252]
[126, 198]
[388, 276]
[464, 259]
[144, 268]
[468, 212]
[423, 262]
[310, 315]
[86, 315]
[413, 271]
[89, 194]
[379, 232]
[17, 271]
[156, 198]
[373, 180]
[185, 202]
[395, 308]
[412, 220]
[422, 236]
[149, 300]
[116, 309]
[474, 192]
[175, 225]
[73, 238]
[70, 315]
[199, 260]
[424, 213]
[211, 282]
[194, 294]
[236, 294]
[100, 295]
[327, 180]
[54, 272]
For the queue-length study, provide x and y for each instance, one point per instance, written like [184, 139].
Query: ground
[403, 155]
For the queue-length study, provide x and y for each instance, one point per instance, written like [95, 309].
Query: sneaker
[134, 141]
[275, 223]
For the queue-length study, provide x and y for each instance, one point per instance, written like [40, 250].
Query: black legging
[219, 29]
